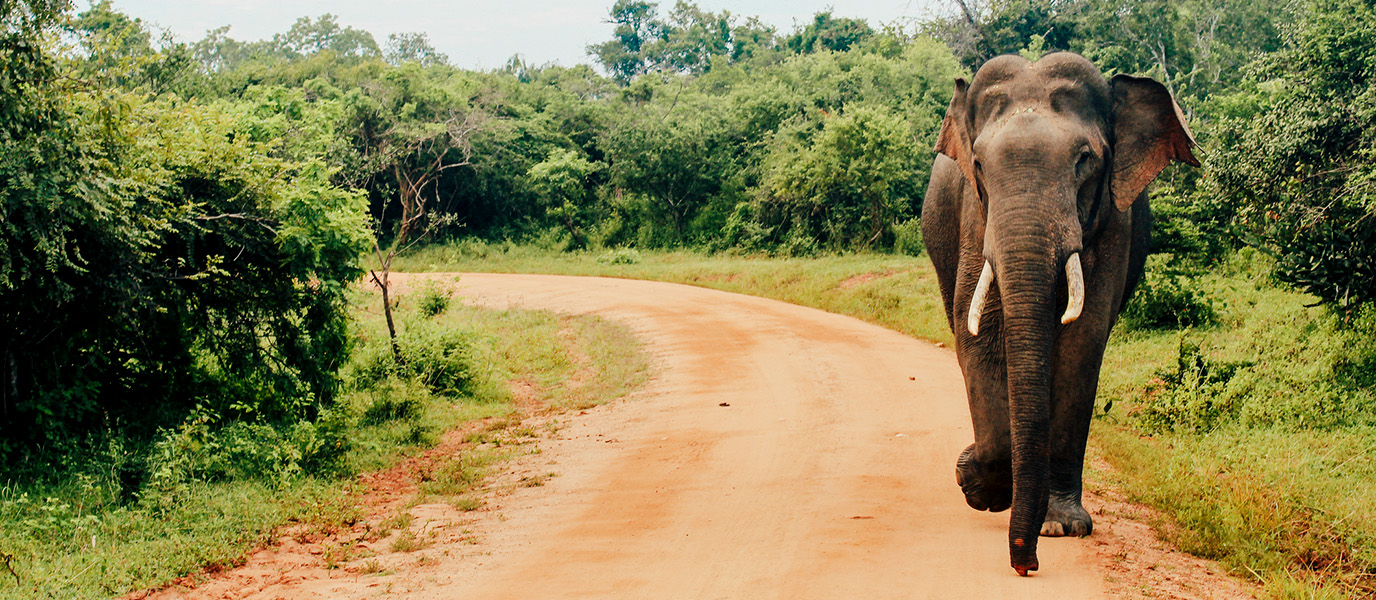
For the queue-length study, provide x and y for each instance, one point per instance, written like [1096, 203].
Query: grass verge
[219, 489]
[1252, 434]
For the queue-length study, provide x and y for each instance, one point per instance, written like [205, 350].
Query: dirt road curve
[829, 475]
[779, 452]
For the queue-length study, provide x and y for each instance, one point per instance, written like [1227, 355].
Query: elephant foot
[984, 490]
[1065, 516]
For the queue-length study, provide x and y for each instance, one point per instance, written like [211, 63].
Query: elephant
[1037, 223]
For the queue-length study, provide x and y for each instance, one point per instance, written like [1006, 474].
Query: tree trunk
[387, 311]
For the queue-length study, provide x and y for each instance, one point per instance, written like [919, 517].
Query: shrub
[198, 451]
[907, 237]
[1295, 154]
[1193, 396]
[1167, 300]
[393, 400]
[434, 299]
[443, 358]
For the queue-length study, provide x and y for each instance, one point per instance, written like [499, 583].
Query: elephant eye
[1084, 160]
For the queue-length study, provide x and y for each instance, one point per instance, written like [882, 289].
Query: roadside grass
[899, 292]
[1255, 436]
[215, 494]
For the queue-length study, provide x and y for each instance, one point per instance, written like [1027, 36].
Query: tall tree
[636, 28]
[308, 36]
[404, 47]
[407, 131]
[827, 32]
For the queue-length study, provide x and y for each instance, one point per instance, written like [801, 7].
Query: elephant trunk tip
[1028, 564]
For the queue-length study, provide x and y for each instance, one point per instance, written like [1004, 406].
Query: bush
[1294, 154]
[179, 265]
[907, 237]
[1167, 300]
[434, 299]
[242, 451]
[392, 400]
[1193, 396]
[443, 358]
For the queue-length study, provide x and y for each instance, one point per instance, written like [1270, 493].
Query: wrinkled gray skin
[1040, 161]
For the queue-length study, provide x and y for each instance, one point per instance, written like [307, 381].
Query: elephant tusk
[986, 277]
[1075, 280]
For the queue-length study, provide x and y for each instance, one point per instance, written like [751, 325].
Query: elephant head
[1053, 151]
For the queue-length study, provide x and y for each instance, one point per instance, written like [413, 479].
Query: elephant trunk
[1028, 273]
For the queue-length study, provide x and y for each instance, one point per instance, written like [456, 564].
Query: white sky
[479, 34]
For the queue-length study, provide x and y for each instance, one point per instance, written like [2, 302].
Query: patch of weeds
[371, 567]
[433, 299]
[1193, 396]
[408, 541]
[325, 512]
[620, 256]
[468, 503]
[537, 480]
[335, 555]
[1297, 586]
[401, 520]
[461, 474]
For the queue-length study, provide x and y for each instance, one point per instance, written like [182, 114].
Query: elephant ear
[954, 140]
[1149, 131]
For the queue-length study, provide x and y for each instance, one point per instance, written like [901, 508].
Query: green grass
[1255, 436]
[899, 292]
[78, 539]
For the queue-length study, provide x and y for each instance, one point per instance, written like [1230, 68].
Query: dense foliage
[156, 259]
[1295, 154]
[180, 222]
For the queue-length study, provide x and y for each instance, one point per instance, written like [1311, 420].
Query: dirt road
[829, 474]
[778, 452]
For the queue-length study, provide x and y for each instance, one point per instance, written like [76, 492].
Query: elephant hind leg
[985, 488]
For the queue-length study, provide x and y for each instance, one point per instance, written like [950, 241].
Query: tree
[636, 28]
[1293, 153]
[688, 41]
[839, 186]
[670, 165]
[403, 47]
[407, 131]
[826, 32]
[324, 33]
[562, 180]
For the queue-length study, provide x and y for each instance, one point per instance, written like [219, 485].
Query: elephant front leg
[987, 484]
[984, 470]
[1073, 393]
[1065, 514]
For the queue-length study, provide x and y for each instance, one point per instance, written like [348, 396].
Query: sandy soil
[779, 452]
